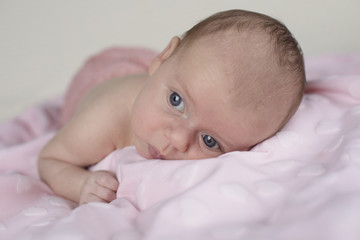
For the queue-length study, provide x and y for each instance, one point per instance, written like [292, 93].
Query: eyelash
[174, 96]
[216, 146]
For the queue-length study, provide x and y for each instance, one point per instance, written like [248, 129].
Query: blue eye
[209, 141]
[177, 102]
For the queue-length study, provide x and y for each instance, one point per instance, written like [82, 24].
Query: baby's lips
[154, 153]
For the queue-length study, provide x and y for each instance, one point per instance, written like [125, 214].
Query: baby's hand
[100, 186]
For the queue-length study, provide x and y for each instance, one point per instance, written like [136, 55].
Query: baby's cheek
[141, 122]
[147, 115]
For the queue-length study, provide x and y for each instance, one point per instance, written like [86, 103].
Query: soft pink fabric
[111, 63]
[303, 183]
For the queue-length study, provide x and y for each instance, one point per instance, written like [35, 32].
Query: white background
[43, 42]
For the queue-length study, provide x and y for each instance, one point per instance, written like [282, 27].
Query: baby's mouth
[154, 153]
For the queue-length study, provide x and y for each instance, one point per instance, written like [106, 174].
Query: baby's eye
[210, 142]
[177, 102]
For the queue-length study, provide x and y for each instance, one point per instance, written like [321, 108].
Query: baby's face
[186, 111]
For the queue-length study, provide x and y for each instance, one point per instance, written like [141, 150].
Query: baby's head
[232, 81]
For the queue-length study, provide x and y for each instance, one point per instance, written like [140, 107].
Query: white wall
[43, 42]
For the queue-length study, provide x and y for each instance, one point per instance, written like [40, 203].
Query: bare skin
[95, 123]
[181, 109]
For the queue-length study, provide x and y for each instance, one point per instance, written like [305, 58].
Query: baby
[231, 82]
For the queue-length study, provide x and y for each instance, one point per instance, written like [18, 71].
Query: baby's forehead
[248, 51]
[247, 61]
[232, 41]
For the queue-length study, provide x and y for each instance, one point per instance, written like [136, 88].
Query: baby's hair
[285, 45]
[287, 51]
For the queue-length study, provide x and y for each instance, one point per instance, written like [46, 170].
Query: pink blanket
[303, 183]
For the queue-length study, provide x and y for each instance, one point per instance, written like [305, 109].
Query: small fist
[100, 186]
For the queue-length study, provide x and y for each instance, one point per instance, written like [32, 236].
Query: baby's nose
[179, 137]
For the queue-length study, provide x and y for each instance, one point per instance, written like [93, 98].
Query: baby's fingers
[101, 186]
[90, 198]
[106, 194]
[105, 179]
[97, 193]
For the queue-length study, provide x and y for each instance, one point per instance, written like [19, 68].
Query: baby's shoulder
[116, 90]
[125, 89]
[130, 83]
[115, 95]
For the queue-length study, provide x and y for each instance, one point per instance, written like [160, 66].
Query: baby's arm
[85, 140]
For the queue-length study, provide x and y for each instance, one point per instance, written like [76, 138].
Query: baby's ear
[165, 54]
